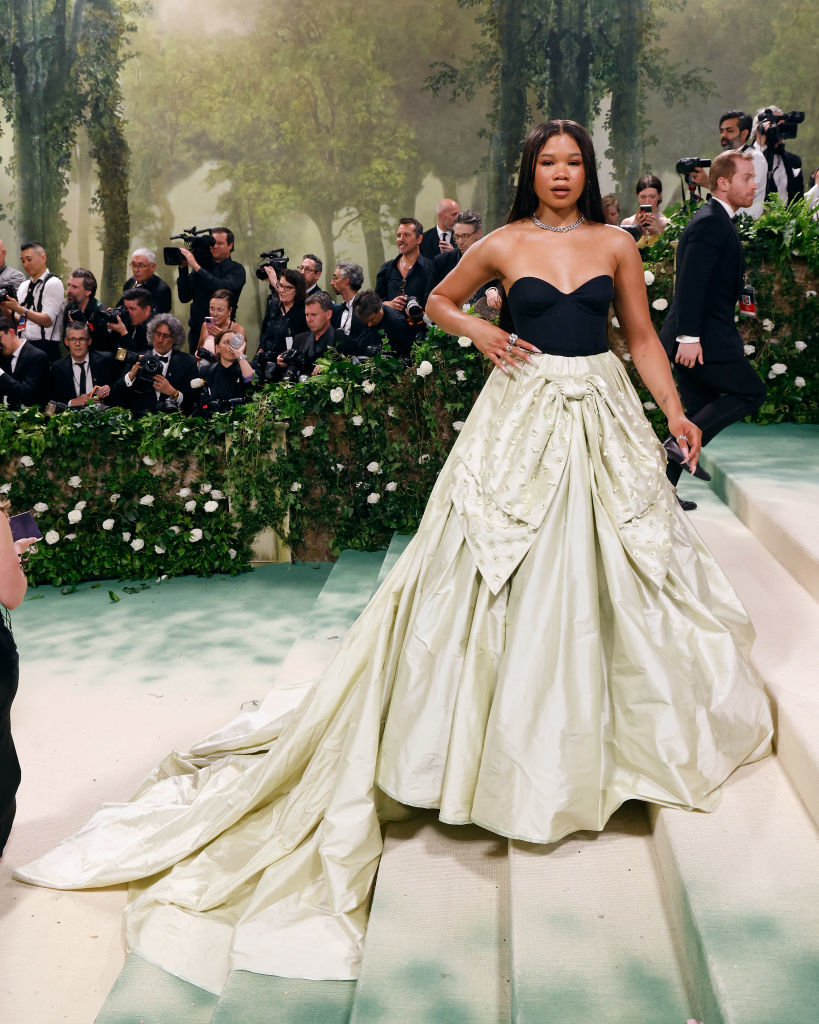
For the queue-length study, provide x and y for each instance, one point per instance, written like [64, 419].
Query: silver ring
[510, 346]
[682, 437]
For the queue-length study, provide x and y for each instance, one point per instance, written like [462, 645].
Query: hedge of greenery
[343, 459]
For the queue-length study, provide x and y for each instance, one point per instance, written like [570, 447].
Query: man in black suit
[311, 267]
[77, 375]
[131, 332]
[167, 390]
[717, 384]
[25, 370]
[438, 239]
[85, 308]
[466, 230]
[300, 361]
[144, 275]
[409, 272]
[379, 316]
[346, 282]
[785, 177]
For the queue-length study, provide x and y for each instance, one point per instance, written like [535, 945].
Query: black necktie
[82, 380]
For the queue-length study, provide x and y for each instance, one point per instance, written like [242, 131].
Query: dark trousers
[714, 396]
[9, 765]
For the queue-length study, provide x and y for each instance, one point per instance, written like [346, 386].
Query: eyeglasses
[460, 236]
[286, 287]
[140, 266]
[162, 334]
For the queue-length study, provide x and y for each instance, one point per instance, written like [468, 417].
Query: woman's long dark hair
[296, 278]
[526, 201]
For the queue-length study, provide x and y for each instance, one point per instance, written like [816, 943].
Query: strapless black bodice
[562, 324]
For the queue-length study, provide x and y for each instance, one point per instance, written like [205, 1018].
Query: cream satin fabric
[555, 640]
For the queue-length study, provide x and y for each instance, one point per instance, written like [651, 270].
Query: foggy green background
[208, 83]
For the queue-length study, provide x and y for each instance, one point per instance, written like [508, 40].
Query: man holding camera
[10, 278]
[735, 134]
[378, 316]
[25, 371]
[84, 308]
[40, 300]
[783, 168]
[408, 274]
[136, 303]
[82, 374]
[144, 275]
[300, 360]
[159, 380]
[197, 283]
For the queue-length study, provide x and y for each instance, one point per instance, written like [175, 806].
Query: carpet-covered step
[263, 999]
[769, 476]
[437, 945]
[741, 889]
[145, 994]
[786, 651]
[590, 938]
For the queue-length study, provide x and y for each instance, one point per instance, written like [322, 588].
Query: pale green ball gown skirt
[554, 641]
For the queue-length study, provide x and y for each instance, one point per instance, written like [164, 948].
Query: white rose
[74, 516]
[146, 499]
[648, 406]
[232, 553]
[778, 368]
[799, 381]
[615, 322]
[26, 460]
[357, 420]
[211, 506]
[307, 431]
[810, 294]
[460, 375]
[367, 387]
[175, 529]
[373, 467]
[81, 505]
[190, 505]
[137, 543]
[184, 492]
[216, 495]
[52, 537]
[749, 349]
[373, 498]
[75, 481]
[195, 535]
[337, 395]
[391, 486]
[340, 466]
[148, 460]
[424, 368]
[800, 346]
[767, 325]
[464, 342]
[649, 278]
[391, 411]
[126, 537]
[458, 425]
[158, 550]
[41, 507]
[295, 486]
[626, 357]
[108, 524]
[660, 303]
[422, 459]
[114, 498]
[5, 488]
[205, 488]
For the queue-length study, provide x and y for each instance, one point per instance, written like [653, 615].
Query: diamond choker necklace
[548, 227]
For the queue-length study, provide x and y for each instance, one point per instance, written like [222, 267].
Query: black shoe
[686, 506]
[675, 453]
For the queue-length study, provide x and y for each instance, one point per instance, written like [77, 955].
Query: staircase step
[741, 889]
[437, 942]
[145, 994]
[769, 476]
[397, 546]
[589, 934]
[263, 999]
[779, 608]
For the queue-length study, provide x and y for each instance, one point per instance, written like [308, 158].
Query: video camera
[274, 258]
[689, 164]
[198, 240]
[782, 126]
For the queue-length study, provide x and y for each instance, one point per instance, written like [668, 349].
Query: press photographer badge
[747, 301]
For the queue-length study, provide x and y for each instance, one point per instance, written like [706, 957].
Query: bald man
[439, 239]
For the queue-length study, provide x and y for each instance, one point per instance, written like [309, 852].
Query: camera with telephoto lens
[209, 405]
[414, 312]
[109, 316]
[782, 126]
[149, 366]
[7, 293]
[198, 240]
[274, 258]
[296, 365]
[689, 164]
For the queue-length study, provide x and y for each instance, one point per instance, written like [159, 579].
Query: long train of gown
[555, 640]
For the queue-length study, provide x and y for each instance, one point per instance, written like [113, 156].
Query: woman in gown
[555, 640]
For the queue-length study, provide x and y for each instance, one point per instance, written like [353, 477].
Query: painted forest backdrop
[315, 125]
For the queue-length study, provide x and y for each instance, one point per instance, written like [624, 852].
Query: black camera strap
[36, 304]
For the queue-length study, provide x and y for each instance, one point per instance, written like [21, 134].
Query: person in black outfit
[379, 316]
[196, 283]
[144, 275]
[466, 230]
[229, 378]
[12, 591]
[300, 361]
[785, 177]
[346, 282]
[170, 389]
[138, 312]
[85, 308]
[717, 384]
[408, 274]
[438, 239]
[311, 267]
[25, 370]
[284, 318]
[75, 376]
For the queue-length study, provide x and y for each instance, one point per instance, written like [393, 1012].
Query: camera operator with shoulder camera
[159, 380]
[771, 128]
[223, 384]
[130, 320]
[202, 271]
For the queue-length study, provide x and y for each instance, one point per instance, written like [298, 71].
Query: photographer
[284, 319]
[300, 360]
[227, 380]
[346, 282]
[84, 308]
[196, 283]
[380, 316]
[144, 275]
[137, 310]
[159, 380]
[784, 168]
[10, 278]
[40, 300]
[408, 274]
[648, 218]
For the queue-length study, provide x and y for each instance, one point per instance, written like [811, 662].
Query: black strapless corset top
[561, 323]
